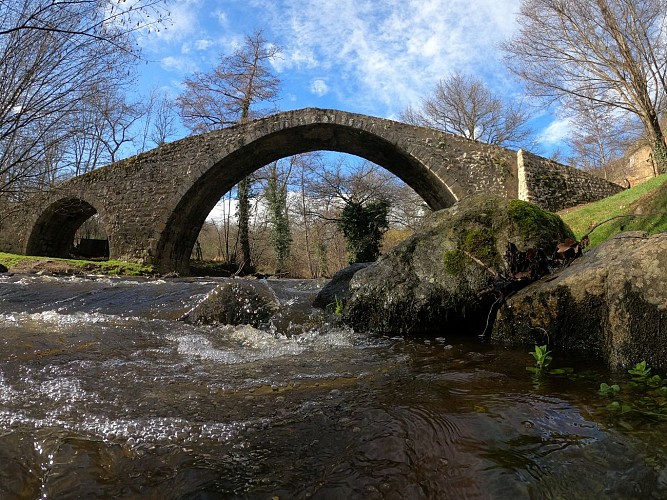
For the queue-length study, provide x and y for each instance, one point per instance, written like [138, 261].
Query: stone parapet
[554, 186]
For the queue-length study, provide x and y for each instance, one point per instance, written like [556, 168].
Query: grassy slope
[112, 267]
[646, 202]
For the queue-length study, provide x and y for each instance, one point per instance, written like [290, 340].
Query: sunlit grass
[646, 203]
[109, 267]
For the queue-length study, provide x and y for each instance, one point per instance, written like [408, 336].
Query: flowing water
[104, 394]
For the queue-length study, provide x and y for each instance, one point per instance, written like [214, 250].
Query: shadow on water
[103, 394]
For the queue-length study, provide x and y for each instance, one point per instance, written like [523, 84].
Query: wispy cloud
[179, 64]
[372, 57]
[555, 133]
[182, 23]
[391, 53]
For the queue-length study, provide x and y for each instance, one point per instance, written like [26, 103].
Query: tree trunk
[246, 265]
[658, 144]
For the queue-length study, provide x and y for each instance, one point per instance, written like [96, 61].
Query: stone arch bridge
[153, 205]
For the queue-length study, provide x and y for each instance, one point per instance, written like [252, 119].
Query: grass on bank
[646, 203]
[109, 267]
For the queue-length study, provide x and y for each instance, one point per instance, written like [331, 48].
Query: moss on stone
[532, 222]
[455, 262]
[481, 243]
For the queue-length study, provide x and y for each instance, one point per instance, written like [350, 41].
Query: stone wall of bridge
[554, 186]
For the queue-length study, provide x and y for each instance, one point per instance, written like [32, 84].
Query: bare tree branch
[609, 53]
[465, 106]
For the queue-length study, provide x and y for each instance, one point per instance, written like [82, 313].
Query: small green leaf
[614, 406]
[640, 370]
[609, 390]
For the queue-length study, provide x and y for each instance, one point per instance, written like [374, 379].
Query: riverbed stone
[434, 281]
[338, 288]
[236, 302]
[611, 303]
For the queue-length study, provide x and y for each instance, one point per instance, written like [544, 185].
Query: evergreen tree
[363, 226]
[281, 238]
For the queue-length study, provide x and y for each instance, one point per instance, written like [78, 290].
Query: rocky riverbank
[612, 302]
[459, 275]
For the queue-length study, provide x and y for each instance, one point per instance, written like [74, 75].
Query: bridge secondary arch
[182, 226]
[53, 232]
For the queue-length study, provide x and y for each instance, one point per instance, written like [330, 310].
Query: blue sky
[371, 57]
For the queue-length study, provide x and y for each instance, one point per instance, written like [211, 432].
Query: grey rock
[611, 303]
[338, 288]
[235, 302]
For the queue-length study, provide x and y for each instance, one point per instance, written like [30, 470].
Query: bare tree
[56, 56]
[106, 21]
[465, 106]
[161, 119]
[599, 136]
[603, 52]
[228, 95]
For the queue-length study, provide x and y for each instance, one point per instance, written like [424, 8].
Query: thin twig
[477, 261]
[615, 217]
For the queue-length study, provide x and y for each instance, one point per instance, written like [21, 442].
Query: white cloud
[182, 23]
[319, 87]
[294, 58]
[382, 55]
[180, 64]
[390, 53]
[221, 17]
[204, 44]
[555, 133]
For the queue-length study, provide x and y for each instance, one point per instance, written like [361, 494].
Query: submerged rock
[237, 302]
[433, 280]
[612, 303]
[281, 306]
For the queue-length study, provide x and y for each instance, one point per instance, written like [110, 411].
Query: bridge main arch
[153, 205]
[262, 142]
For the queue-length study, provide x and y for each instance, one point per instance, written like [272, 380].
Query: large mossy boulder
[434, 281]
[611, 303]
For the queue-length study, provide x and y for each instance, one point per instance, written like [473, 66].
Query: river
[104, 394]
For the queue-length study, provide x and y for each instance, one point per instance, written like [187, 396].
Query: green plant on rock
[609, 390]
[338, 306]
[640, 372]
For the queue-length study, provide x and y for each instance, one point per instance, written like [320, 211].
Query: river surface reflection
[104, 394]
